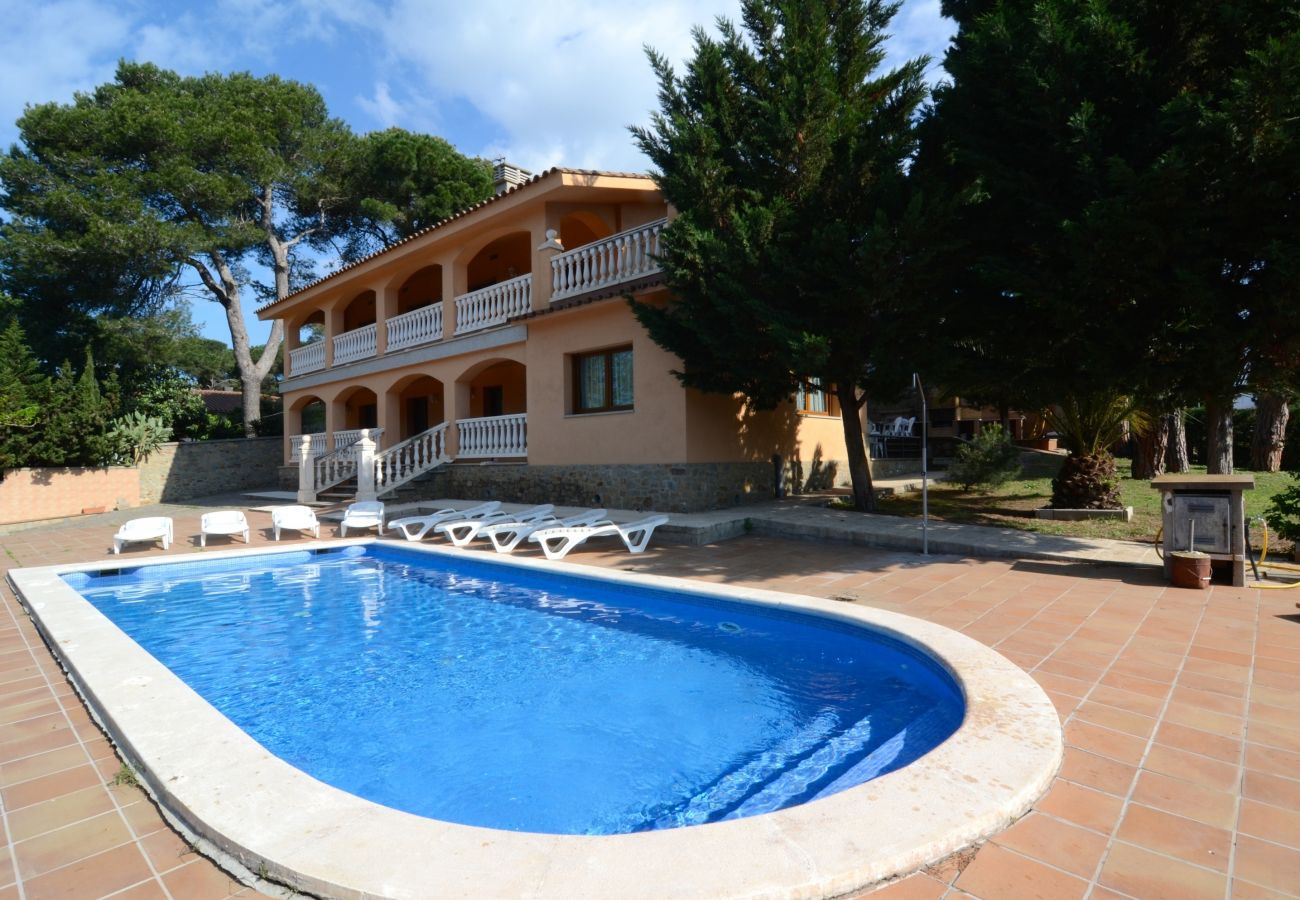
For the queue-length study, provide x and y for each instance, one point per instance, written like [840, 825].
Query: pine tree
[798, 246]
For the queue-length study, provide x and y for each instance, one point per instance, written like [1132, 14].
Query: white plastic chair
[227, 521]
[506, 536]
[294, 518]
[557, 542]
[363, 514]
[414, 528]
[149, 528]
[461, 531]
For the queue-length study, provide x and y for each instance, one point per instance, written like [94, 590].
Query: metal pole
[925, 480]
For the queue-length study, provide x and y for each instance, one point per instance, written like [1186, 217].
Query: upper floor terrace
[561, 237]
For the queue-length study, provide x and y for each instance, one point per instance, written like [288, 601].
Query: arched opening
[360, 409]
[310, 330]
[506, 257]
[578, 229]
[360, 311]
[420, 405]
[423, 288]
[306, 415]
[497, 389]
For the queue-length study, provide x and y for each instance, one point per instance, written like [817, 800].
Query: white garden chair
[506, 536]
[461, 531]
[414, 528]
[294, 518]
[227, 521]
[149, 528]
[363, 514]
[557, 542]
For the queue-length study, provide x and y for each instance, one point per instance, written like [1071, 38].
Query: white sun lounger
[461, 531]
[294, 518]
[150, 528]
[414, 528]
[363, 514]
[227, 521]
[557, 542]
[506, 536]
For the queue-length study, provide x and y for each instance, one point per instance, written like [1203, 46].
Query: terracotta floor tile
[1104, 742]
[1244, 890]
[200, 880]
[1272, 736]
[166, 850]
[1193, 740]
[1139, 873]
[145, 890]
[1204, 719]
[1082, 806]
[1116, 719]
[1138, 703]
[1220, 703]
[109, 871]
[49, 786]
[1056, 843]
[1190, 841]
[1271, 789]
[59, 812]
[998, 874]
[1268, 864]
[1272, 760]
[1215, 808]
[1097, 772]
[47, 739]
[30, 767]
[1134, 685]
[1201, 770]
[1228, 687]
[1272, 823]
[914, 887]
[1072, 687]
[68, 845]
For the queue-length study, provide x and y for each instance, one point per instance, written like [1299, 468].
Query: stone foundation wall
[181, 471]
[688, 487]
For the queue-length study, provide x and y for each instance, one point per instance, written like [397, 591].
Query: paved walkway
[1181, 712]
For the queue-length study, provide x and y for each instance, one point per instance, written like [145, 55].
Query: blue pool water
[531, 701]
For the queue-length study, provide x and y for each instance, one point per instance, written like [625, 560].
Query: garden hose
[1263, 554]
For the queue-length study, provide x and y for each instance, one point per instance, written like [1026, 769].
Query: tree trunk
[1271, 417]
[864, 494]
[1218, 436]
[1150, 449]
[1176, 458]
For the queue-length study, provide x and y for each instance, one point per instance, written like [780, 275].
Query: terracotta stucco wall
[654, 431]
[30, 495]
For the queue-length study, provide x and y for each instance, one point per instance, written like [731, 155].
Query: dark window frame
[804, 395]
[576, 373]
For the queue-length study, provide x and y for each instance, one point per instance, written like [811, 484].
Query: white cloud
[50, 50]
[382, 107]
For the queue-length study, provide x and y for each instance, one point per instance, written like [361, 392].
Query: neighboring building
[500, 339]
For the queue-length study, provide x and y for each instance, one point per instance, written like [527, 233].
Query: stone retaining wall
[181, 471]
[688, 487]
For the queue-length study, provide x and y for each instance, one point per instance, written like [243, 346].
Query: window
[812, 399]
[602, 381]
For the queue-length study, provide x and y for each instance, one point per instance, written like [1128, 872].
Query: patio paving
[1181, 712]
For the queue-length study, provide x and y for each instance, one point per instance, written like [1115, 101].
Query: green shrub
[135, 436]
[989, 460]
[1283, 514]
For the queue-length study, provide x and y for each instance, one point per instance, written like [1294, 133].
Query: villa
[497, 348]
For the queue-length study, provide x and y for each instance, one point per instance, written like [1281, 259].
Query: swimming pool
[259, 814]
[543, 702]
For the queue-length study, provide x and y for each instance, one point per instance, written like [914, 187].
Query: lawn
[1013, 504]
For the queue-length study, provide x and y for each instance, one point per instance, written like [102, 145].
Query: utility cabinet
[1205, 513]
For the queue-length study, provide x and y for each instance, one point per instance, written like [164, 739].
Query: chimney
[506, 177]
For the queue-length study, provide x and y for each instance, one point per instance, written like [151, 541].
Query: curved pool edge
[267, 817]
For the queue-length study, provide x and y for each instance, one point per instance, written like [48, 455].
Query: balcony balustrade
[419, 326]
[349, 436]
[317, 446]
[308, 358]
[351, 346]
[494, 305]
[618, 258]
[492, 436]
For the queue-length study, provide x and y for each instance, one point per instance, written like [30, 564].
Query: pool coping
[259, 814]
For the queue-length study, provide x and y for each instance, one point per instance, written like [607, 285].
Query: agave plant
[1090, 426]
[136, 435]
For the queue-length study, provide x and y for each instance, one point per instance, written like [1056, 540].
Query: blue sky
[542, 84]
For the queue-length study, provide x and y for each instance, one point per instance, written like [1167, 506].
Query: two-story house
[497, 348]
